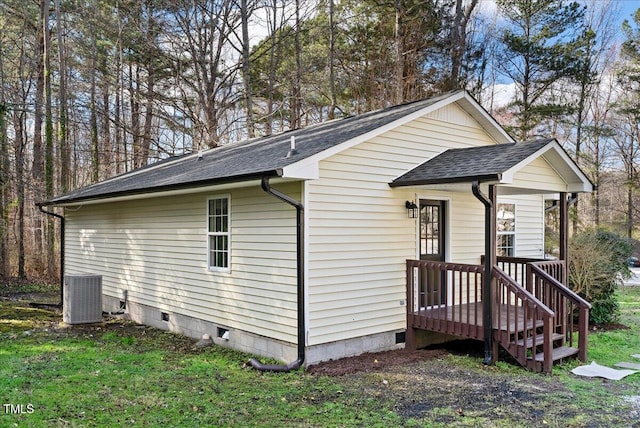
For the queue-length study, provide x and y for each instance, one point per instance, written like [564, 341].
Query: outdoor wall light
[412, 209]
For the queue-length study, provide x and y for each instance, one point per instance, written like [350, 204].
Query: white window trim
[227, 234]
[515, 226]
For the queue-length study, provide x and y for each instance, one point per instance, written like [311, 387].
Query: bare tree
[63, 141]
[461, 16]
[4, 173]
[206, 79]
[245, 12]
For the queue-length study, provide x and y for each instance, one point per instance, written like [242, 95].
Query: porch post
[490, 351]
[564, 234]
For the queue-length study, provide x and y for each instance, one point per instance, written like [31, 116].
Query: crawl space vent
[82, 299]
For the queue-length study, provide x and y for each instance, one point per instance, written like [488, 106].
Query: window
[218, 233]
[506, 230]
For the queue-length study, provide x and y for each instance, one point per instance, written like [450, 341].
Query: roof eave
[492, 178]
[581, 184]
[157, 191]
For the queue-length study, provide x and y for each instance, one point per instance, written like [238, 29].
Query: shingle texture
[245, 160]
[461, 165]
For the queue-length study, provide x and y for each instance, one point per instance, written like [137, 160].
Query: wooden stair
[536, 327]
[558, 354]
[526, 347]
[539, 341]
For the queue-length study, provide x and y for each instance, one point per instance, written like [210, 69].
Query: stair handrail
[566, 291]
[582, 304]
[514, 284]
[529, 300]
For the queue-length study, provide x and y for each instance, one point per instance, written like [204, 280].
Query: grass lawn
[121, 374]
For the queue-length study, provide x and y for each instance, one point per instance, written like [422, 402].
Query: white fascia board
[309, 168]
[302, 170]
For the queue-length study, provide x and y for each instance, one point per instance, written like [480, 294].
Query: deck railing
[518, 316]
[534, 312]
[565, 303]
[445, 297]
[516, 268]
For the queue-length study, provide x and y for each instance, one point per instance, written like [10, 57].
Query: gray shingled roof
[242, 161]
[468, 164]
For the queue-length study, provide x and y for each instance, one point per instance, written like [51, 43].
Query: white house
[295, 246]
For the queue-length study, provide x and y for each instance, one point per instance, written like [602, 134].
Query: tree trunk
[37, 169]
[332, 53]
[106, 146]
[116, 123]
[295, 107]
[458, 47]
[93, 116]
[63, 140]
[49, 161]
[629, 212]
[274, 60]
[244, 10]
[18, 145]
[5, 266]
[135, 113]
[399, 35]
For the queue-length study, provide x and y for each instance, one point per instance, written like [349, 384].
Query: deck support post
[490, 351]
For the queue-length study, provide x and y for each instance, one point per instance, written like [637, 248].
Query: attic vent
[292, 150]
[82, 302]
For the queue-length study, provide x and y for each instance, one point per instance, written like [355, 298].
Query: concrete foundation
[249, 342]
[193, 327]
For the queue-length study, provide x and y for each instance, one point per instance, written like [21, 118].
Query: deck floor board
[468, 317]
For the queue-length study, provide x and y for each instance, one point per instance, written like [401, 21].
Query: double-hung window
[506, 230]
[219, 238]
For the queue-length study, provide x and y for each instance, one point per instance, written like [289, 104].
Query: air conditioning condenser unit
[82, 302]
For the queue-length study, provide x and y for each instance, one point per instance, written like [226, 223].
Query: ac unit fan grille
[82, 299]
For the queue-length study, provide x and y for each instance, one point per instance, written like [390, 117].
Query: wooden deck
[466, 320]
[533, 321]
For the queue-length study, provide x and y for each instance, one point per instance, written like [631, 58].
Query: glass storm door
[432, 247]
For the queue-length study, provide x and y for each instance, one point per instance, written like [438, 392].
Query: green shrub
[596, 260]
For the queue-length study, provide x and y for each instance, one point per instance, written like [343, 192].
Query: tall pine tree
[540, 47]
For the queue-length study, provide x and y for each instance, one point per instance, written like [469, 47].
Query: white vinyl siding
[529, 224]
[359, 234]
[156, 250]
[540, 176]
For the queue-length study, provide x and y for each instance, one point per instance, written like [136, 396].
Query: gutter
[80, 196]
[487, 319]
[300, 283]
[62, 232]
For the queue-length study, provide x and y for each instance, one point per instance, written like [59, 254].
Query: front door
[432, 247]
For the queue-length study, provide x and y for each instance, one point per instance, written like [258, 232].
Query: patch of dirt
[374, 362]
[608, 327]
[430, 386]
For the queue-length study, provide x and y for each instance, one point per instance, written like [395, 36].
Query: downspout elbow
[278, 368]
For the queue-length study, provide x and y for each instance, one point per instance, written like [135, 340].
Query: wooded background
[93, 89]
